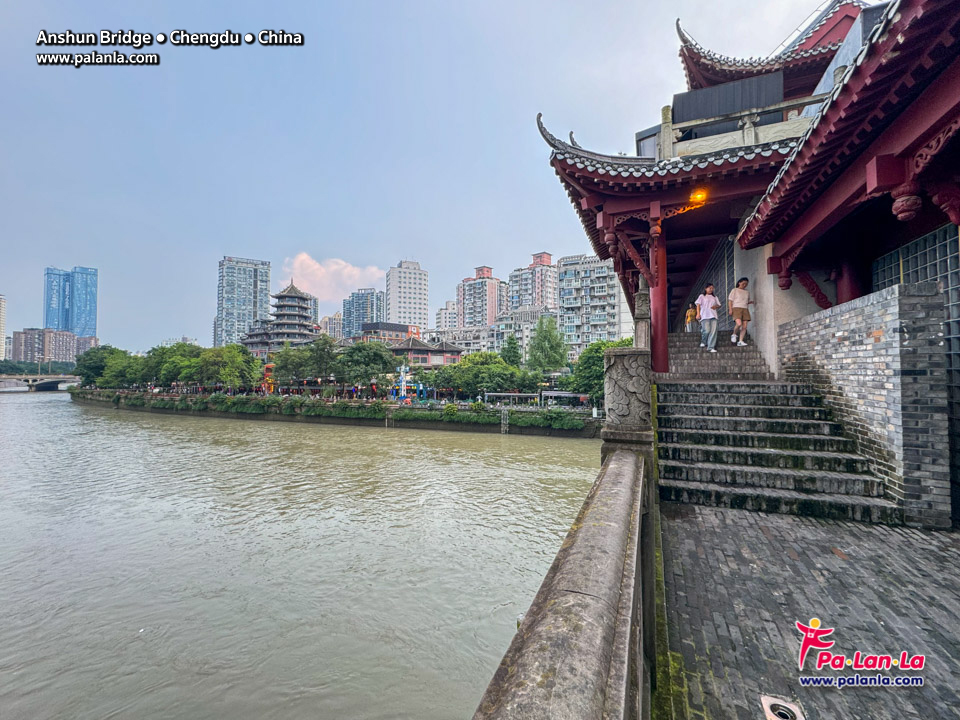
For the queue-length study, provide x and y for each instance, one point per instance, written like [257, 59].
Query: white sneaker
[733, 338]
[712, 350]
[703, 344]
[741, 344]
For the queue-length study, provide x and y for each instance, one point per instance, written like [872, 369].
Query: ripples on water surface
[158, 566]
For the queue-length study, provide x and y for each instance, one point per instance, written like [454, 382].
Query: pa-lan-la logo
[814, 637]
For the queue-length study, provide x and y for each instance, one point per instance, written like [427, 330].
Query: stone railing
[585, 648]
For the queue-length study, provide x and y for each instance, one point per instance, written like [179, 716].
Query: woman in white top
[738, 305]
[707, 306]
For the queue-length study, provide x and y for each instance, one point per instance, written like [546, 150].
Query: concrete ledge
[570, 658]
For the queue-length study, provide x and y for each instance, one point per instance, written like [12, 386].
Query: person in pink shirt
[707, 306]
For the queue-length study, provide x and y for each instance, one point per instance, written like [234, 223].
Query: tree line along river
[165, 566]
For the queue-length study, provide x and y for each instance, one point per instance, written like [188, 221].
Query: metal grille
[934, 257]
[719, 271]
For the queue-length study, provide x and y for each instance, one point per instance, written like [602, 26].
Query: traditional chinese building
[292, 323]
[829, 175]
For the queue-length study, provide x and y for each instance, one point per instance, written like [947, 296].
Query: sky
[401, 130]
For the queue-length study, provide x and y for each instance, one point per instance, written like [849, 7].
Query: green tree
[483, 372]
[93, 362]
[121, 370]
[291, 364]
[323, 358]
[230, 365]
[366, 362]
[158, 357]
[547, 350]
[587, 375]
[511, 351]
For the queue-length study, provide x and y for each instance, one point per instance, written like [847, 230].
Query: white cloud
[331, 280]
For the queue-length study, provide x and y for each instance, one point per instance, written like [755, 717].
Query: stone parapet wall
[880, 363]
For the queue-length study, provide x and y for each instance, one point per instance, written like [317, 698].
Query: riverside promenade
[736, 582]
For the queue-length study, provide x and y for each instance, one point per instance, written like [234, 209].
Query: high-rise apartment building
[8, 348]
[592, 305]
[70, 300]
[447, 316]
[86, 343]
[534, 285]
[480, 299]
[48, 345]
[407, 296]
[59, 346]
[28, 345]
[332, 325]
[3, 324]
[363, 306]
[243, 298]
[521, 323]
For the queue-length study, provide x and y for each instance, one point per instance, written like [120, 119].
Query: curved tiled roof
[699, 61]
[626, 167]
[292, 290]
[758, 65]
[412, 343]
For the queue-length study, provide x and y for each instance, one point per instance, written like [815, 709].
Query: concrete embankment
[504, 422]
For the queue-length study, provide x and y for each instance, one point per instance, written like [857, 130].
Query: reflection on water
[160, 566]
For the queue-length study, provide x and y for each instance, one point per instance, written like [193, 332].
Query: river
[156, 566]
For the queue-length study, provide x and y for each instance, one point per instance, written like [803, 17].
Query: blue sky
[399, 130]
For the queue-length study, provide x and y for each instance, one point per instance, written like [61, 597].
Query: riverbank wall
[275, 409]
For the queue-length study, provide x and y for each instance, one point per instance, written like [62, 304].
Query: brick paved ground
[736, 581]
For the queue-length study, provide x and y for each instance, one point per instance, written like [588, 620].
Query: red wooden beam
[936, 107]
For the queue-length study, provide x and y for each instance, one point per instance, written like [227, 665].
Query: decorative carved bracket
[810, 285]
[637, 259]
[925, 155]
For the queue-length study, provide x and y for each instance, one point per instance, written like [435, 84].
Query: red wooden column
[849, 285]
[659, 353]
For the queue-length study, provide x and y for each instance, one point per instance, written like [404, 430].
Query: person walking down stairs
[707, 306]
[691, 317]
[738, 305]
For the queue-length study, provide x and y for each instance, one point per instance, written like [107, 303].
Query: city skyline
[224, 153]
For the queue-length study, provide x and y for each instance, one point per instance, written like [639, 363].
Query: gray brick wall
[880, 363]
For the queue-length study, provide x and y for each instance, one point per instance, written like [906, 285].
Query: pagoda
[292, 323]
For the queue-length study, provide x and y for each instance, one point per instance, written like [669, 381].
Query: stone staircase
[752, 443]
[690, 361]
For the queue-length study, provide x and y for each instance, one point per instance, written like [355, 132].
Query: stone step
[805, 481]
[789, 502]
[779, 412]
[722, 341]
[779, 441]
[733, 397]
[749, 424]
[694, 376]
[730, 353]
[719, 386]
[764, 457]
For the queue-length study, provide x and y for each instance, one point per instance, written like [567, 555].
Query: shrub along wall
[299, 408]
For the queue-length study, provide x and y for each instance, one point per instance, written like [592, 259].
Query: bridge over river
[37, 383]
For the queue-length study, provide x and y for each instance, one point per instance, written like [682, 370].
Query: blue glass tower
[83, 302]
[56, 299]
[70, 300]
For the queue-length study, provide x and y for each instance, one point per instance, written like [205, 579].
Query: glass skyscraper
[243, 297]
[70, 300]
